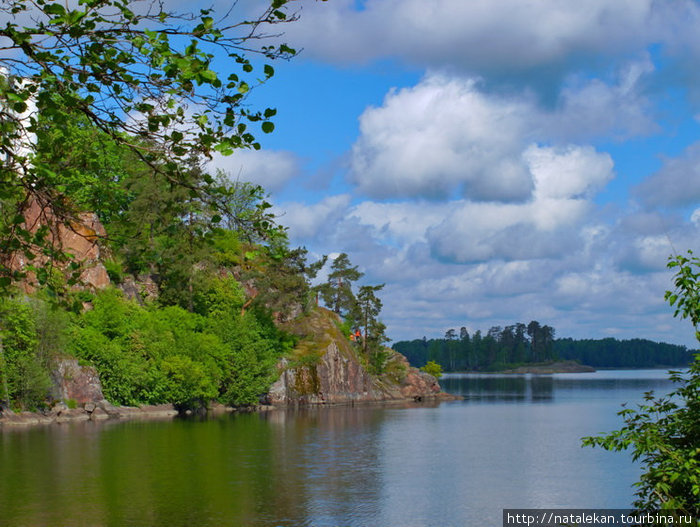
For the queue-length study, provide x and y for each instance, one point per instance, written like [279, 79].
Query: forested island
[506, 348]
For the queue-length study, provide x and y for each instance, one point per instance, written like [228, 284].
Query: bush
[114, 271]
[433, 368]
[152, 355]
[25, 379]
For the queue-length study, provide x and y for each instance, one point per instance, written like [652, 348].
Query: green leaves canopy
[144, 76]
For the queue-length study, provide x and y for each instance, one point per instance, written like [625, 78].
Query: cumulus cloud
[442, 135]
[482, 193]
[446, 137]
[568, 172]
[554, 221]
[643, 241]
[484, 231]
[676, 184]
[507, 262]
[695, 217]
[549, 223]
[268, 168]
[479, 34]
[306, 222]
[401, 223]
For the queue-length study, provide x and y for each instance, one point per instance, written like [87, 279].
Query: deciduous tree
[141, 74]
[664, 432]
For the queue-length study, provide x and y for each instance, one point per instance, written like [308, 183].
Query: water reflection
[543, 388]
[512, 443]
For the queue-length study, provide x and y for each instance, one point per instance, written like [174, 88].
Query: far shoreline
[541, 368]
[557, 367]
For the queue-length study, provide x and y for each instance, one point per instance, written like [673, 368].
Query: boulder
[75, 382]
[71, 415]
[98, 414]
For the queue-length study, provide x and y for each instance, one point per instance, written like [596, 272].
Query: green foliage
[25, 378]
[345, 326]
[365, 313]
[187, 383]
[664, 432]
[281, 277]
[117, 87]
[395, 368]
[152, 354]
[220, 296]
[337, 291]
[114, 271]
[115, 133]
[686, 297]
[433, 368]
[378, 361]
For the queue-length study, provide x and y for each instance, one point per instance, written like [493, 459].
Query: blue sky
[493, 161]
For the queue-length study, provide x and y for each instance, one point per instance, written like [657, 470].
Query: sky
[492, 161]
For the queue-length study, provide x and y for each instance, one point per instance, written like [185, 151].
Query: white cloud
[568, 172]
[305, 222]
[505, 35]
[269, 168]
[404, 222]
[482, 177]
[695, 217]
[676, 184]
[484, 231]
[439, 136]
[545, 226]
[445, 137]
[643, 242]
[591, 107]
[500, 263]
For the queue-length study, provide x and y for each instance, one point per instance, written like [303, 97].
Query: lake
[513, 442]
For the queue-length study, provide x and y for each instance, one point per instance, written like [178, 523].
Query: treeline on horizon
[510, 346]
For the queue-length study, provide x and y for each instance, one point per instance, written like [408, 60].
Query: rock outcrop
[336, 378]
[327, 368]
[79, 238]
[92, 411]
[73, 382]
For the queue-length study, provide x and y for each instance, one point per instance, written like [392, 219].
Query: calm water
[514, 442]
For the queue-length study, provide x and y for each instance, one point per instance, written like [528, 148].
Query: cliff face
[79, 238]
[336, 378]
[326, 368]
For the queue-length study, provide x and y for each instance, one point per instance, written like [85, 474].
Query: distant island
[519, 348]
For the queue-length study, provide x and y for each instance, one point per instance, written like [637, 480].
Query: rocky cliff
[79, 237]
[326, 368]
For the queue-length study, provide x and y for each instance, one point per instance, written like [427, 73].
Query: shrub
[25, 379]
[433, 368]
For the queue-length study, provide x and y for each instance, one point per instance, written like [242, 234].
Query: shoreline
[540, 369]
[104, 411]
